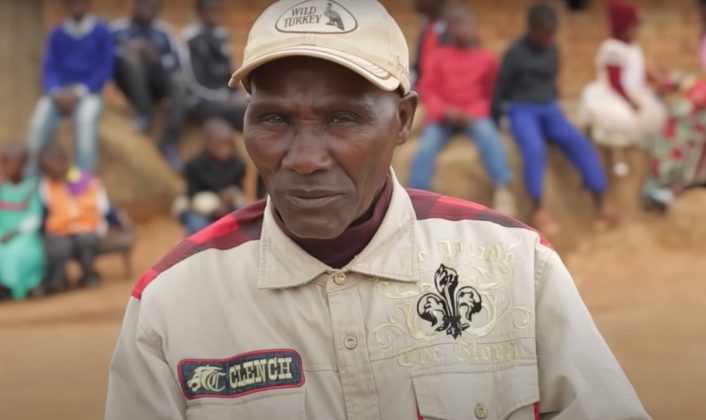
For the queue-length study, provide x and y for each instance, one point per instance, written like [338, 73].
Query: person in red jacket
[456, 89]
[431, 36]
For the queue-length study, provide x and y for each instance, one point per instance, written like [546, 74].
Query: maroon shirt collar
[338, 252]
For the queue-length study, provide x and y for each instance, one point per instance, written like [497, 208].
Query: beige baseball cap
[357, 34]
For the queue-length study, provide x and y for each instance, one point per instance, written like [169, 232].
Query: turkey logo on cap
[317, 17]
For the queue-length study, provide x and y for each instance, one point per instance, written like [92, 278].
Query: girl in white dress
[620, 107]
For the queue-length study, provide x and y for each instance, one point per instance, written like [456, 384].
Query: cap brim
[364, 68]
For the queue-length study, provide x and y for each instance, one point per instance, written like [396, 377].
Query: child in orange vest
[76, 209]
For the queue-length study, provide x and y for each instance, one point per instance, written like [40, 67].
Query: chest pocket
[285, 405]
[455, 393]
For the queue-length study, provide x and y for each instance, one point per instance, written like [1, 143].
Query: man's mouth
[311, 199]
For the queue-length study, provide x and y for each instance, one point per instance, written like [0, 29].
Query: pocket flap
[280, 405]
[457, 393]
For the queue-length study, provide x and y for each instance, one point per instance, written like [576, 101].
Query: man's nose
[307, 152]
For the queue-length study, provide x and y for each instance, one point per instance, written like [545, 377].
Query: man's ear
[407, 109]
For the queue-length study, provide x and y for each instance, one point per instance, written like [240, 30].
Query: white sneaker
[504, 201]
[621, 169]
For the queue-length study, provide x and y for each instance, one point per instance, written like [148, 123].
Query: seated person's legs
[86, 120]
[86, 247]
[579, 150]
[434, 136]
[59, 250]
[492, 151]
[171, 86]
[45, 120]
[194, 222]
[526, 128]
[132, 78]
[528, 134]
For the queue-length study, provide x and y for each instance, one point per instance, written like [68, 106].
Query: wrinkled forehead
[306, 75]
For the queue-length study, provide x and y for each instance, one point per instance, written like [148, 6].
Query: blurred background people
[147, 71]
[77, 63]
[527, 91]
[76, 206]
[21, 250]
[432, 34]
[677, 158]
[208, 65]
[456, 89]
[218, 180]
[620, 108]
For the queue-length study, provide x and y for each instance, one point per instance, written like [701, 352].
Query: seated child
[76, 209]
[218, 181]
[619, 106]
[678, 156]
[21, 250]
[456, 89]
[527, 92]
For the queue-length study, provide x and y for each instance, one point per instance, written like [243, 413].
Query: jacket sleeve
[429, 89]
[104, 62]
[579, 378]
[51, 71]
[33, 219]
[503, 85]
[490, 78]
[141, 385]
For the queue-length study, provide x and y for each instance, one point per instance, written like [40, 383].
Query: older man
[344, 296]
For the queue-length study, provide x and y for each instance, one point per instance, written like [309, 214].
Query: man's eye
[344, 117]
[273, 118]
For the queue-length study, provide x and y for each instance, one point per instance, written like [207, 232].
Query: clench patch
[240, 375]
[317, 17]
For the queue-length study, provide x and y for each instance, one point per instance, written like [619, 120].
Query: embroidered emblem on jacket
[447, 309]
[207, 378]
[240, 375]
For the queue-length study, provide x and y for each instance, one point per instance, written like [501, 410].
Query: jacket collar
[391, 253]
[81, 28]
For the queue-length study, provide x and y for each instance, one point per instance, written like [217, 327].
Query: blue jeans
[46, 119]
[194, 222]
[532, 126]
[436, 135]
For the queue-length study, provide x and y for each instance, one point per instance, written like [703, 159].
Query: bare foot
[606, 218]
[543, 221]
[609, 214]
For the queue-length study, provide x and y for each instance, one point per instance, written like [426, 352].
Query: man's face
[462, 29]
[322, 138]
[210, 12]
[54, 167]
[77, 9]
[542, 38]
[429, 7]
[147, 10]
[220, 146]
[12, 164]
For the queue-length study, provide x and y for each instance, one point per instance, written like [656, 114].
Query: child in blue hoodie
[77, 64]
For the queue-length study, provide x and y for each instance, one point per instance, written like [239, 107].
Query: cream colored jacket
[451, 312]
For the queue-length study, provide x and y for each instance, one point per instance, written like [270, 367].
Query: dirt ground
[649, 301]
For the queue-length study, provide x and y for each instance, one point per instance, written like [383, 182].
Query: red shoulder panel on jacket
[229, 232]
[429, 205]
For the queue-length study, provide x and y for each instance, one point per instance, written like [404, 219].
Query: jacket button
[340, 278]
[350, 342]
[481, 411]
